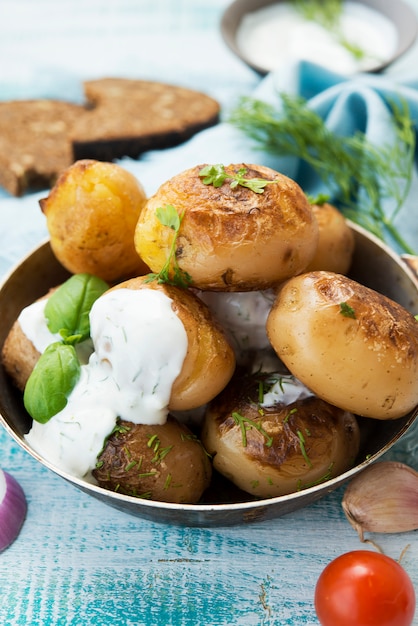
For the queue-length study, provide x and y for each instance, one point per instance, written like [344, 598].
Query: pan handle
[412, 262]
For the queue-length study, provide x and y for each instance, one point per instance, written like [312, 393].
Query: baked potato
[91, 215]
[279, 447]
[210, 360]
[335, 243]
[354, 347]
[163, 462]
[230, 237]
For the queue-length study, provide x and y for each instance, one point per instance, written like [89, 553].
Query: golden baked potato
[91, 215]
[163, 462]
[349, 344]
[210, 359]
[231, 238]
[335, 243]
[280, 447]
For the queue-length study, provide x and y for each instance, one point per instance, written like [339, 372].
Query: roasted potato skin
[273, 459]
[366, 362]
[335, 243]
[161, 462]
[19, 356]
[91, 215]
[210, 360]
[231, 239]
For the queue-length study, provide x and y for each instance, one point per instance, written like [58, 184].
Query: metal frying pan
[374, 265]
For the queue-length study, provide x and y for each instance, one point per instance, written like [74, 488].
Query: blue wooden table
[78, 561]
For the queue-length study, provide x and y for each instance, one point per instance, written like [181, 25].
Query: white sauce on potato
[277, 34]
[139, 348]
[33, 324]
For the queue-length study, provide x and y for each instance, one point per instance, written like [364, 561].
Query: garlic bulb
[383, 499]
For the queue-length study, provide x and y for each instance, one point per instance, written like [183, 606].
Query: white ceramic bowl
[394, 14]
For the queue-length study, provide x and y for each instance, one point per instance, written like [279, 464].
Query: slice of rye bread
[121, 117]
[129, 117]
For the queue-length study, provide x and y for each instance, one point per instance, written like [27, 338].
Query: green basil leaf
[67, 310]
[51, 382]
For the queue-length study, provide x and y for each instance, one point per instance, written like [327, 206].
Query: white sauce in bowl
[277, 34]
[139, 348]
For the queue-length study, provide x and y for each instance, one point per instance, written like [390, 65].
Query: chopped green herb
[303, 449]
[320, 480]
[319, 200]
[151, 441]
[160, 454]
[216, 175]
[347, 310]
[245, 423]
[289, 414]
[147, 474]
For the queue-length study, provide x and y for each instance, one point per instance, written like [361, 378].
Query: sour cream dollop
[139, 348]
[274, 35]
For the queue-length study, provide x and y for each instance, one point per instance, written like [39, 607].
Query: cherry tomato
[364, 588]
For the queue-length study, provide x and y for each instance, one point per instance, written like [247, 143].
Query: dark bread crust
[39, 139]
[19, 356]
[34, 144]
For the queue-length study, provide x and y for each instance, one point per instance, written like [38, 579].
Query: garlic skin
[383, 499]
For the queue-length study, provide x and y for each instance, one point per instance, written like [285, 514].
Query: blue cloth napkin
[361, 103]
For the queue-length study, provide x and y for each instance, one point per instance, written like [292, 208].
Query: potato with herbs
[91, 215]
[160, 462]
[239, 228]
[336, 241]
[351, 345]
[210, 360]
[270, 436]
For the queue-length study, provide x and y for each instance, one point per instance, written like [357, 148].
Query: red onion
[13, 508]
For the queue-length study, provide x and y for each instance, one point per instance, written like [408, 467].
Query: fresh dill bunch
[360, 177]
[325, 12]
[328, 13]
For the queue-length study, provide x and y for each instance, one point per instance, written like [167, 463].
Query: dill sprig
[245, 423]
[328, 13]
[360, 176]
[216, 175]
[325, 12]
